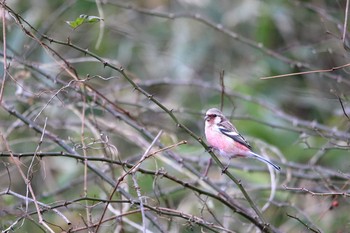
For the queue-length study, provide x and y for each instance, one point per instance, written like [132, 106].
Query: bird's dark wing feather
[232, 133]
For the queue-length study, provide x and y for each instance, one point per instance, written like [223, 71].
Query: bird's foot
[224, 169]
[210, 149]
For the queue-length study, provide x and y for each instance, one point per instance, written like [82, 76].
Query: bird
[223, 138]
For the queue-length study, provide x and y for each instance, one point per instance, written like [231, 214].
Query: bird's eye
[214, 115]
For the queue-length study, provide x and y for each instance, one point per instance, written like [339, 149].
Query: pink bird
[224, 138]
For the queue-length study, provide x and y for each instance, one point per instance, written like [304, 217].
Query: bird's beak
[206, 117]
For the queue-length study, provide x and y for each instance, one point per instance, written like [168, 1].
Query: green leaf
[83, 19]
[93, 19]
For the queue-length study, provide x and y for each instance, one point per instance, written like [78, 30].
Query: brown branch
[307, 72]
[134, 169]
[27, 183]
[305, 190]
[220, 196]
[230, 202]
[159, 210]
[342, 107]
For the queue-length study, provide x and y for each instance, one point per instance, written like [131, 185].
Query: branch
[306, 225]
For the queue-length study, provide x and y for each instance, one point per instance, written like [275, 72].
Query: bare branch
[306, 225]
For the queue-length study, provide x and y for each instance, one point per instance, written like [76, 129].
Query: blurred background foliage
[176, 50]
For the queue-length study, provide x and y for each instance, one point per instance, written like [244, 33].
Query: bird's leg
[226, 167]
[210, 149]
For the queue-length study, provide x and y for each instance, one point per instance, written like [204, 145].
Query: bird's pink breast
[226, 146]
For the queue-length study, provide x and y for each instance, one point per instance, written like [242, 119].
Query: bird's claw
[224, 169]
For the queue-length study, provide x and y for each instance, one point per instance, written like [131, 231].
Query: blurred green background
[176, 50]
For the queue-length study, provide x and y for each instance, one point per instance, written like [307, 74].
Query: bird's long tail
[259, 157]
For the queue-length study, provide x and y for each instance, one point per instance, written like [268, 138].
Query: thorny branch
[322, 181]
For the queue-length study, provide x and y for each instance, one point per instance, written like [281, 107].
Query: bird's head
[213, 116]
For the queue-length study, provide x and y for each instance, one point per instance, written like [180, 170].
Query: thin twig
[139, 195]
[30, 168]
[306, 125]
[101, 24]
[3, 16]
[160, 173]
[345, 22]
[27, 182]
[342, 107]
[228, 201]
[222, 84]
[137, 187]
[307, 72]
[305, 190]
[131, 170]
[302, 222]
[28, 199]
[82, 139]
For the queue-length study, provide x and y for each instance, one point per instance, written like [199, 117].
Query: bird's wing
[230, 131]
